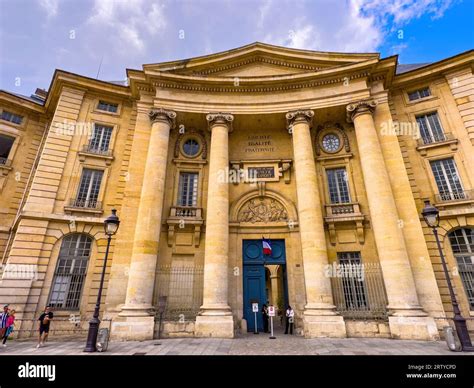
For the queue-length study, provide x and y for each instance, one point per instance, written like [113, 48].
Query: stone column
[275, 284]
[320, 318]
[406, 317]
[215, 318]
[136, 320]
[411, 227]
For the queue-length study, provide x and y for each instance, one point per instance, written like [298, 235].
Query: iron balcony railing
[186, 212]
[96, 150]
[435, 138]
[85, 204]
[337, 209]
[180, 288]
[451, 196]
[359, 291]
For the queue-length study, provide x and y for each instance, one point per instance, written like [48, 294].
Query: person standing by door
[265, 318]
[290, 319]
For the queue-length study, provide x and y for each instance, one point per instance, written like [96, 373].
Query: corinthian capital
[220, 118]
[160, 114]
[299, 115]
[359, 108]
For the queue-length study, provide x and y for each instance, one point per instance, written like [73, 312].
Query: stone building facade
[327, 156]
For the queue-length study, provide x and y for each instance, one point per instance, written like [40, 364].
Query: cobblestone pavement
[244, 345]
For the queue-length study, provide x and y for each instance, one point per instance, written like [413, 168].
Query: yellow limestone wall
[46, 219]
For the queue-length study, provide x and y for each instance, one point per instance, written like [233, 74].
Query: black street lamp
[111, 225]
[431, 216]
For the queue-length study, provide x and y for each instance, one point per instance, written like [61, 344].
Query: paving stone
[242, 345]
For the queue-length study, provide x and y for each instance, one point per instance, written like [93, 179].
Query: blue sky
[38, 36]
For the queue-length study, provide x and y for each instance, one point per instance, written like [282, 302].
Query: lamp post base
[463, 333]
[92, 335]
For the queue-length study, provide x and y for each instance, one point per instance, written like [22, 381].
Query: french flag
[267, 248]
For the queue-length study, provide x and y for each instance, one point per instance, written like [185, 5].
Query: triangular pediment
[254, 67]
[259, 60]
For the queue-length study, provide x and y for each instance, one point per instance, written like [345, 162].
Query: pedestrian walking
[10, 327]
[4, 320]
[44, 323]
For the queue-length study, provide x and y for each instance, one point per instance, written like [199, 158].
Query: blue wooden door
[254, 262]
[254, 291]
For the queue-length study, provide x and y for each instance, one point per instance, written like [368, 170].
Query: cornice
[249, 106]
[63, 78]
[258, 88]
[23, 102]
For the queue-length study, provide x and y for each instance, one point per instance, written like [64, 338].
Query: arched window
[70, 271]
[462, 243]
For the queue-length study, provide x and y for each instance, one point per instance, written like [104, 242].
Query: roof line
[21, 97]
[421, 68]
[258, 44]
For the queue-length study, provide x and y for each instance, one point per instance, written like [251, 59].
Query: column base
[133, 328]
[317, 326]
[217, 326]
[413, 328]
[136, 310]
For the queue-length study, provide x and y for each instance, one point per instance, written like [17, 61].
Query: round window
[331, 142]
[191, 147]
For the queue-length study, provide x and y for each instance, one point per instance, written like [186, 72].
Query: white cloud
[305, 36]
[351, 26]
[129, 36]
[263, 11]
[50, 6]
[133, 21]
[156, 19]
[401, 12]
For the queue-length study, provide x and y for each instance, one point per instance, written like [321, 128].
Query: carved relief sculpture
[263, 210]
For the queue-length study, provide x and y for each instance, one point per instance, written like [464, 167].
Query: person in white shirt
[290, 319]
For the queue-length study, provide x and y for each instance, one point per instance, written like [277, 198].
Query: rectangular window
[100, 141]
[462, 243]
[6, 144]
[70, 273]
[420, 93]
[447, 179]
[338, 187]
[89, 188]
[11, 117]
[107, 106]
[188, 182]
[355, 294]
[431, 130]
[466, 272]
